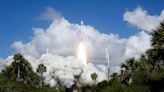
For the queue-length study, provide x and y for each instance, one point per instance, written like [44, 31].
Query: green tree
[157, 42]
[94, 76]
[158, 36]
[41, 69]
[128, 67]
[20, 70]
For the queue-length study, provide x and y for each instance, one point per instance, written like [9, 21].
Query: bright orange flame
[82, 53]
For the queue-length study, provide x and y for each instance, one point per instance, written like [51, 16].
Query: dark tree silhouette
[41, 69]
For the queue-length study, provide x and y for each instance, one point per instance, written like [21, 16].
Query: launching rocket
[81, 50]
[81, 36]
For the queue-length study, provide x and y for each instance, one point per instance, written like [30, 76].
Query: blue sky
[18, 17]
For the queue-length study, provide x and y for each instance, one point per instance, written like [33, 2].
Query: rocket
[81, 38]
[81, 50]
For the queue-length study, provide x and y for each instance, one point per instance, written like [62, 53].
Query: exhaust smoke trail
[82, 53]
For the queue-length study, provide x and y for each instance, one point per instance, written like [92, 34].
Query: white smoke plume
[63, 71]
[85, 78]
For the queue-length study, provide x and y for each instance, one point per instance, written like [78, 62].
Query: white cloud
[63, 37]
[142, 20]
[50, 14]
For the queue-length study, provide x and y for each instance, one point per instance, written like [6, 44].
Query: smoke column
[81, 53]
[107, 64]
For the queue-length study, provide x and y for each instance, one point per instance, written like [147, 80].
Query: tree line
[145, 74]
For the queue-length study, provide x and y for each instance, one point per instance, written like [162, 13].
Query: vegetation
[145, 74]
[41, 68]
[20, 77]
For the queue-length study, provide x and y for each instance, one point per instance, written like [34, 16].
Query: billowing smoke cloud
[142, 20]
[63, 37]
[65, 71]
[88, 70]
[61, 70]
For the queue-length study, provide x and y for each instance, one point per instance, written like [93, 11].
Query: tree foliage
[41, 69]
[20, 70]
[145, 74]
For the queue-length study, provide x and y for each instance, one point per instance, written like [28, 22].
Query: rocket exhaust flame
[82, 53]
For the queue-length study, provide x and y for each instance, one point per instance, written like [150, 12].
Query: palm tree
[94, 76]
[129, 65]
[158, 43]
[41, 69]
[17, 64]
[22, 68]
[114, 76]
[158, 36]
[128, 68]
